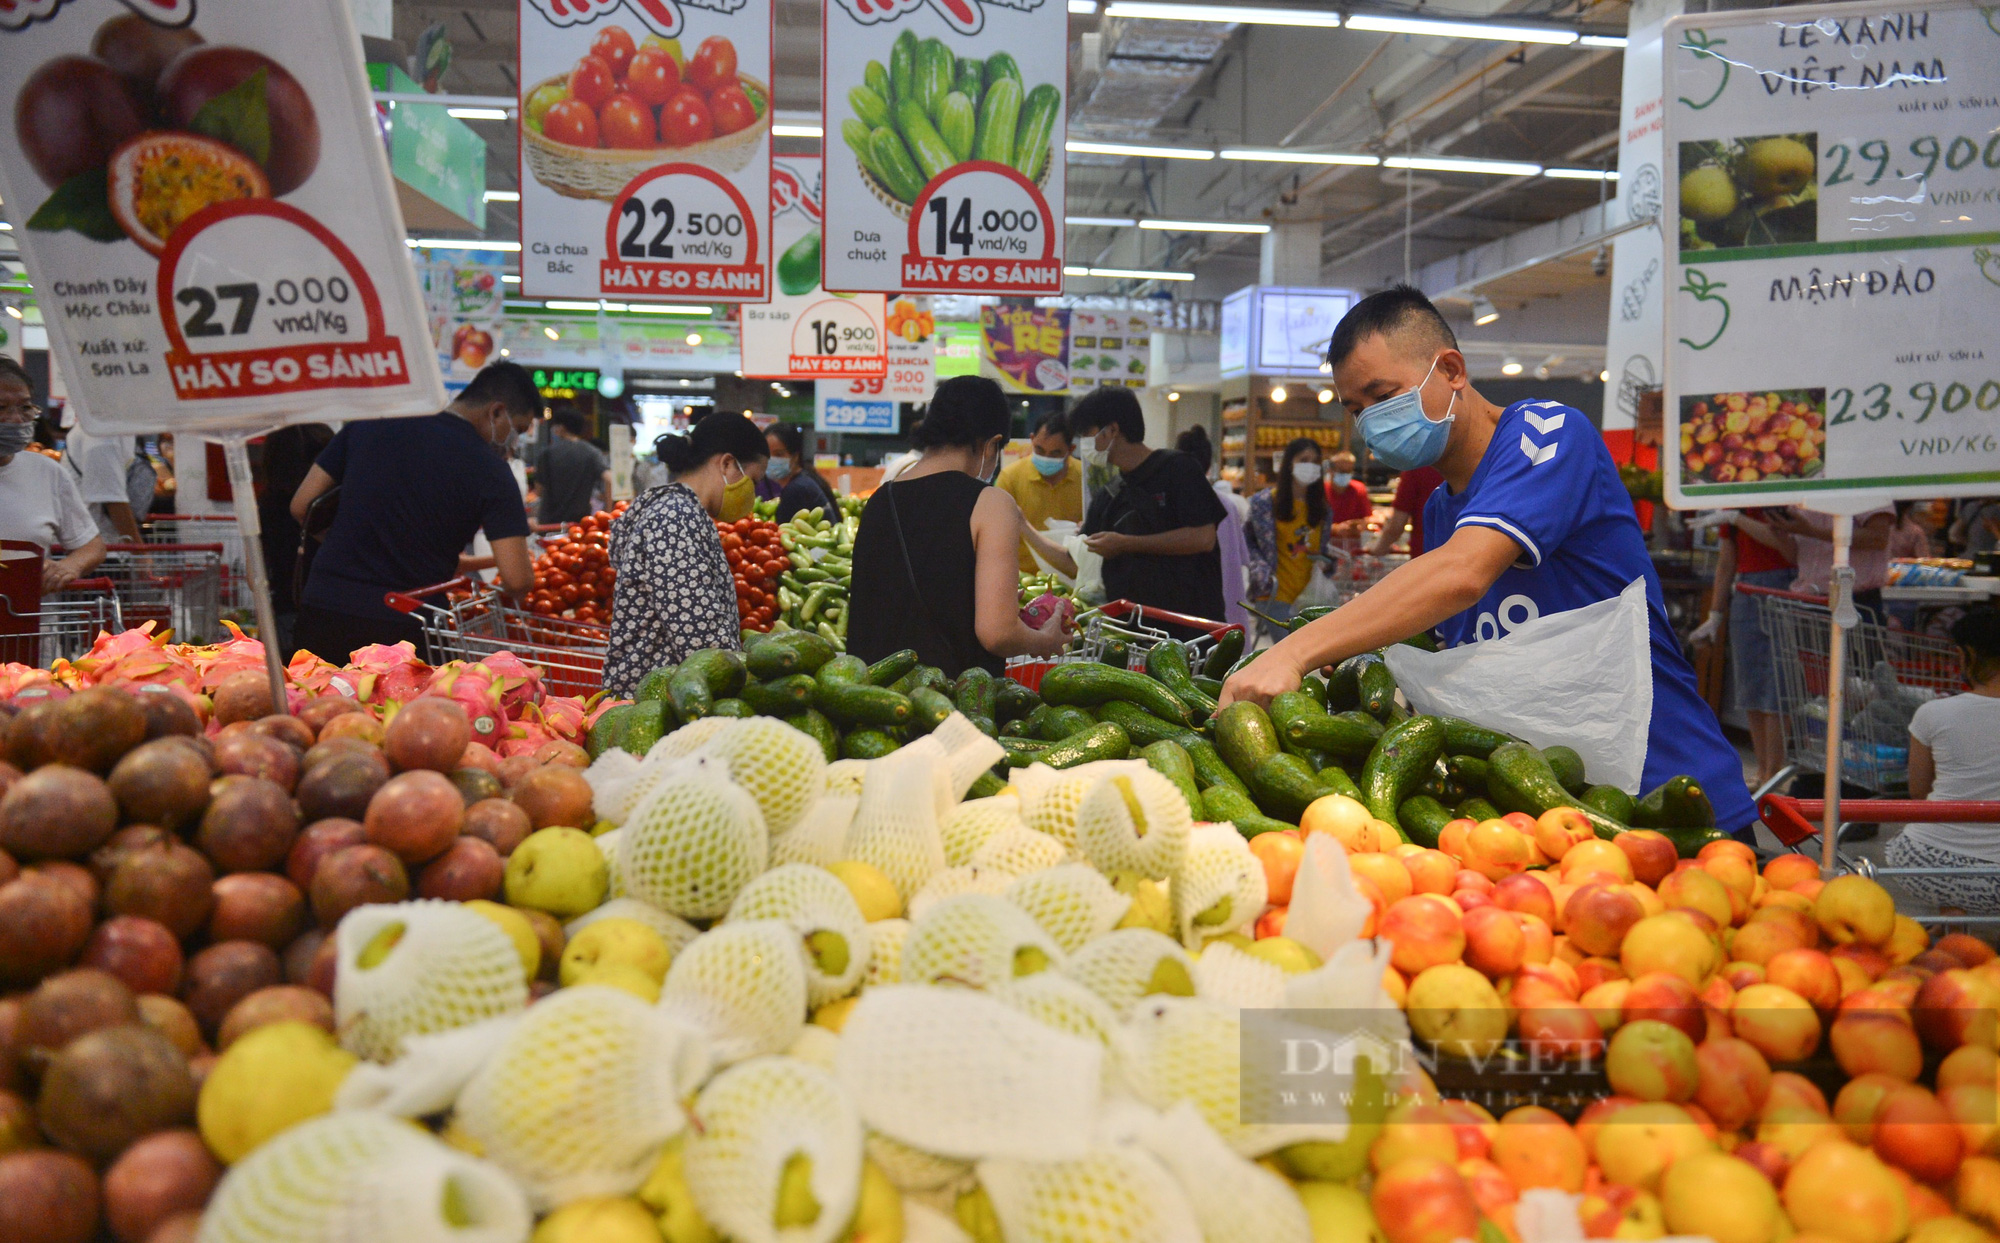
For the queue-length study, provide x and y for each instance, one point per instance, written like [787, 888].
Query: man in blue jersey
[1532, 520]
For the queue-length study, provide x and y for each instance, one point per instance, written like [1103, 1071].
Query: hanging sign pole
[1842, 620]
[236, 452]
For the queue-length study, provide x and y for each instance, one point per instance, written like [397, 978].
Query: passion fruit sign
[1833, 249]
[200, 195]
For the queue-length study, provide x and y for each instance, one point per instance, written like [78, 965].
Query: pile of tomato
[573, 576]
[645, 96]
[755, 561]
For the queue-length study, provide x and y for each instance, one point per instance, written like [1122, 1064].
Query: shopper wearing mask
[569, 471]
[674, 593]
[1533, 521]
[39, 501]
[413, 492]
[1048, 484]
[1348, 506]
[935, 564]
[1290, 527]
[791, 467]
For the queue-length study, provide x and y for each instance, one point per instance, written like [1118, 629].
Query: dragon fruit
[25, 682]
[220, 661]
[473, 688]
[517, 682]
[314, 676]
[385, 673]
[135, 657]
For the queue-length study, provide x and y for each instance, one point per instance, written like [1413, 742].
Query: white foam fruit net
[611, 778]
[896, 824]
[677, 933]
[434, 966]
[1072, 902]
[1018, 850]
[743, 985]
[609, 844]
[781, 767]
[967, 751]
[815, 1046]
[824, 914]
[1126, 964]
[1234, 1200]
[976, 939]
[820, 835]
[357, 1176]
[954, 881]
[755, 1120]
[966, 827]
[846, 777]
[913, 1170]
[958, 1074]
[695, 841]
[885, 951]
[1108, 1195]
[579, 1099]
[1134, 823]
[619, 781]
[1052, 806]
[1230, 977]
[1219, 887]
[1063, 1004]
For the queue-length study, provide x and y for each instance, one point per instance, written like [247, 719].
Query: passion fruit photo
[1756, 191]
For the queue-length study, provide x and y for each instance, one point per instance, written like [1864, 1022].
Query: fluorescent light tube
[1246, 15]
[799, 131]
[478, 114]
[1460, 30]
[1581, 174]
[1100, 222]
[457, 243]
[1452, 164]
[1299, 157]
[1125, 148]
[1203, 226]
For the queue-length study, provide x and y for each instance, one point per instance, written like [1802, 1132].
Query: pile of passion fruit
[155, 125]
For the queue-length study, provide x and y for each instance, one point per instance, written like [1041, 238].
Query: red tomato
[626, 124]
[732, 110]
[573, 122]
[713, 64]
[592, 82]
[653, 76]
[614, 47]
[685, 119]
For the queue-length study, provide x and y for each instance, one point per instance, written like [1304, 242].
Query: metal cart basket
[176, 586]
[1138, 627]
[63, 627]
[475, 620]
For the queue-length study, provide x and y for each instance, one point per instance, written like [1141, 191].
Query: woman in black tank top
[935, 561]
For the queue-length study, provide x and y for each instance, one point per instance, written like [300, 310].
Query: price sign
[646, 149]
[784, 339]
[850, 406]
[1833, 256]
[229, 257]
[950, 176]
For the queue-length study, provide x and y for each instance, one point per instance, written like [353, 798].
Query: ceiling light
[1325, 396]
[685, 381]
[1126, 148]
[1278, 393]
[1083, 8]
[1170, 396]
[13, 310]
[1604, 377]
[478, 114]
[1100, 222]
[1460, 30]
[503, 196]
[1483, 310]
[1203, 226]
[504, 351]
[551, 334]
[1617, 41]
[1511, 366]
[1325, 367]
[799, 131]
[1453, 164]
[456, 243]
[1221, 13]
[1135, 274]
[573, 306]
[1582, 174]
[1299, 157]
[510, 280]
[694, 338]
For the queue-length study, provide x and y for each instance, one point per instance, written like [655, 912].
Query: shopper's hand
[1707, 631]
[1265, 678]
[57, 575]
[1108, 544]
[1052, 637]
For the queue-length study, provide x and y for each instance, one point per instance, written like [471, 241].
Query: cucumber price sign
[948, 176]
[1833, 225]
[805, 333]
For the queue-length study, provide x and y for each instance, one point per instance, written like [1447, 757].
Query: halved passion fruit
[158, 180]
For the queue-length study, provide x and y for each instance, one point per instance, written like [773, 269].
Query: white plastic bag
[1319, 589]
[1582, 679]
[1058, 531]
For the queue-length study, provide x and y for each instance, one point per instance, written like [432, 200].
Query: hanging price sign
[985, 225]
[681, 230]
[803, 333]
[839, 337]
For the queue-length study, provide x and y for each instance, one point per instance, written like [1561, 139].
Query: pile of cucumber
[929, 110]
[1257, 769]
[812, 595]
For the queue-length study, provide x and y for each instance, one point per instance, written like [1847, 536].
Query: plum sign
[1833, 249]
[202, 201]
[949, 174]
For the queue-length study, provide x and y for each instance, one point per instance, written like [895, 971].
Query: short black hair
[965, 412]
[1195, 443]
[1396, 310]
[571, 420]
[1979, 633]
[507, 383]
[1054, 421]
[712, 437]
[15, 371]
[1108, 407]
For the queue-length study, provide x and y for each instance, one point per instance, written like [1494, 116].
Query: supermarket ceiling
[1212, 86]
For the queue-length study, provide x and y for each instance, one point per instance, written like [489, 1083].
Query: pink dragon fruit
[564, 716]
[314, 676]
[472, 687]
[25, 683]
[384, 673]
[217, 662]
[518, 683]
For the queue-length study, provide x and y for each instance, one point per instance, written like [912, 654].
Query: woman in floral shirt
[674, 592]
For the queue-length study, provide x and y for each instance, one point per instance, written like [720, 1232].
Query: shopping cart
[1355, 572]
[233, 587]
[1890, 673]
[1116, 625]
[178, 587]
[62, 626]
[475, 620]
[1795, 820]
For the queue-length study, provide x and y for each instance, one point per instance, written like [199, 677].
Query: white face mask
[1092, 455]
[1306, 472]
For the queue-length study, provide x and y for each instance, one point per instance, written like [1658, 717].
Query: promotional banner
[201, 199]
[646, 149]
[1835, 260]
[805, 333]
[1109, 349]
[949, 175]
[1636, 336]
[1025, 348]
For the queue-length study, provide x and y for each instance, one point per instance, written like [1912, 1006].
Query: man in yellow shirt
[1048, 486]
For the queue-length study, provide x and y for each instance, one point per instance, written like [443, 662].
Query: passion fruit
[71, 114]
[138, 50]
[158, 180]
[199, 74]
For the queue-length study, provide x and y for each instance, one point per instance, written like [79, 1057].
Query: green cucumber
[608, 730]
[1142, 726]
[1423, 819]
[927, 146]
[814, 725]
[1465, 738]
[1476, 809]
[903, 67]
[1224, 805]
[877, 79]
[865, 744]
[1088, 684]
[654, 685]
[869, 108]
[1378, 689]
[956, 124]
[1688, 842]
[1021, 752]
[1209, 768]
[1064, 720]
[1170, 760]
[734, 708]
[855, 703]
[891, 667]
[1284, 786]
[1567, 765]
[928, 709]
[1211, 687]
[782, 696]
[1245, 737]
[1167, 664]
[935, 66]
[1037, 127]
[1106, 741]
[648, 724]
[1227, 651]
[968, 78]
[1397, 764]
[1342, 733]
[893, 166]
[1343, 688]
[841, 670]
[1000, 65]
[721, 668]
[1612, 801]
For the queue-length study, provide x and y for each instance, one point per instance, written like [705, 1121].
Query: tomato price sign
[215, 243]
[646, 149]
[949, 174]
[1833, 250]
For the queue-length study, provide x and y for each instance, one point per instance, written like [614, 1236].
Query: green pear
[1215, 916]
[1170, 976]
[379, 945]
[558, 871]
[828, 951]
[1339, 1213]
[1030, 960]
[1285, 954]
[1149, 909]
[878, 1216]
[518, 930]
[666, 1193]
[271, 1078]
[974, 1211]
[615, 943]
[1346, 1160]
[796, 1206]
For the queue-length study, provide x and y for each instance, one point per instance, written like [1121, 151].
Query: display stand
[236, 451]
[1841, 598]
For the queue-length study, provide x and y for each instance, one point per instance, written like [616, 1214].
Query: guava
[1775, 166]
[159, 180]
[1707, 194]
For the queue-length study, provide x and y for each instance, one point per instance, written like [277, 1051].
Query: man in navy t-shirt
[1532, 520]
[413, 492]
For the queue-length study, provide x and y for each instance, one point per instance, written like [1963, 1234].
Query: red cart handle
[214, 548]
[1793, 820]
[409, 602]
[1121, 608]
[88, 584]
